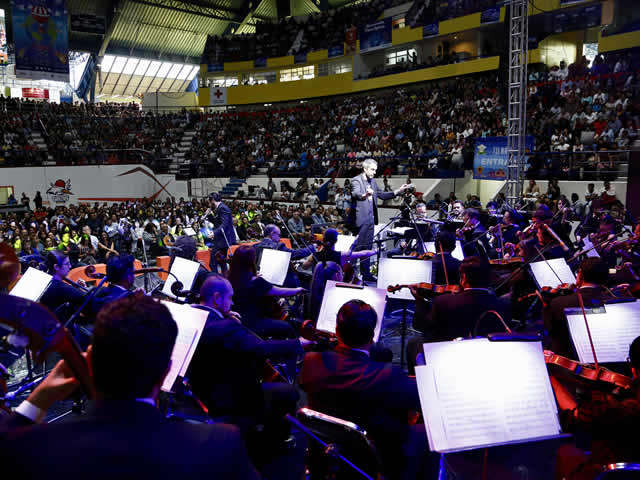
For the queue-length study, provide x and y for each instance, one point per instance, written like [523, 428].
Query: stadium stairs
[232, 187]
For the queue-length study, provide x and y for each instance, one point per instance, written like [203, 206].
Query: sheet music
[32, 284]
[612, 332]
[190, 323]
[404, 271]
[477, 393]
[344, 242]
[274, 265]
[457, 252]
[189, 231]
[335, 297]
[185, 270]
[545, 276]
[400, 230]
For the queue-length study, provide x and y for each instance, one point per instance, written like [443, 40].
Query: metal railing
[581, 165]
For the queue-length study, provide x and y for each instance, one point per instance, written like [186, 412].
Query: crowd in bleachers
[424, 131]
[317, 31]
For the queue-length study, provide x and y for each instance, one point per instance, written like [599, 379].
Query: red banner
[35, 93]
[350, 37]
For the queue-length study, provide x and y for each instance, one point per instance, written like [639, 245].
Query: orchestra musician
[234, 391]
[473, 234]
[59, 292]
[121, 279]
[462, 314]
[185, 247]
[253, 295]
[507, 229]
[223, 233]
[328, 253]
[445, 241]
[411, 243]
[122, 434]
[348, 383]
[364, 204]
[612, 422]
[591, 280]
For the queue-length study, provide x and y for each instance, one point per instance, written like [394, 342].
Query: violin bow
[586, 324]
[444, 265]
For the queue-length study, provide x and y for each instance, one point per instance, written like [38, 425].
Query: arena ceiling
[172, 32]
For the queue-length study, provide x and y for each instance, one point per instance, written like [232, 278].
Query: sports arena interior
[320, 239]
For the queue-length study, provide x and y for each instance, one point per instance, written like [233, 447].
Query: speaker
[284, 8]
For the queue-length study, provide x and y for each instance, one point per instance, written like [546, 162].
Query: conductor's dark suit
[555, 321]
[125, 440]
[222, 220]
[456, 315]
[366, 213]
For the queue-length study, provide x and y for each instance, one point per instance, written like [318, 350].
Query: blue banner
[491, 15]
[260, 62]
[490, 159]
[66, 99]
[430, 30]
[300, 58]
[41, 39]
[336, 51]
[375, 35]
[215, 67]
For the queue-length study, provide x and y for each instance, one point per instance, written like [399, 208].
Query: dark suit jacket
[228, 363]
[471, 247]
[59, 293]
[453, 269]
[456, 315]
[366, 211]
[126, 440]
[348, 384]
[222, 222]
[555, 321]
[106, 295]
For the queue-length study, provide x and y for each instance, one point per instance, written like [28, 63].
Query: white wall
[104, 183]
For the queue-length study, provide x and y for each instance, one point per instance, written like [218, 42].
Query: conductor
[364, 197]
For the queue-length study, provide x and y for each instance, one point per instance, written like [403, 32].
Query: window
[400, 56]
[339, 67]
[223, 81]
[258, 78]
[300, 73]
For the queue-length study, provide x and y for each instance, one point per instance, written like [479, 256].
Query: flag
[323, 191]
[218, 96]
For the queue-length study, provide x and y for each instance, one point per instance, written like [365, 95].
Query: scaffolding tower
[517, 95]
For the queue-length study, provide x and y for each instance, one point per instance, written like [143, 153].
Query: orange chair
[78, 272]
[204, 256]
[163, 262]
[286, 241]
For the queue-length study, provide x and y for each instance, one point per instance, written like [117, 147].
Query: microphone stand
[311, 250]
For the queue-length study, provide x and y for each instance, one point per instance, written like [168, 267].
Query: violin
[427, 289]
[551, 292]
[586, 374]
[511, 261]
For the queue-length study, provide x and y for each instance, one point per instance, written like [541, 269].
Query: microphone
[430, 220]
[555, 236]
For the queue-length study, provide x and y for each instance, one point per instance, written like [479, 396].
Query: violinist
[254, 295]
[445, 241]
[224, 373]
[58, 293]
[460, 314]
[605, 238]
[612, 423]
[592, 276]
[473, 234]
[328, 253]
[505, 230]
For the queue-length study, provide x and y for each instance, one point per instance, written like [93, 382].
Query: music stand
[457, 253]
[185, 271]
[404, 271]
[190, 322]
[478, 393]
[274, 265]
[344, 243]
[551, 273]
[337, 294]
[613, 328]
[32, 285]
